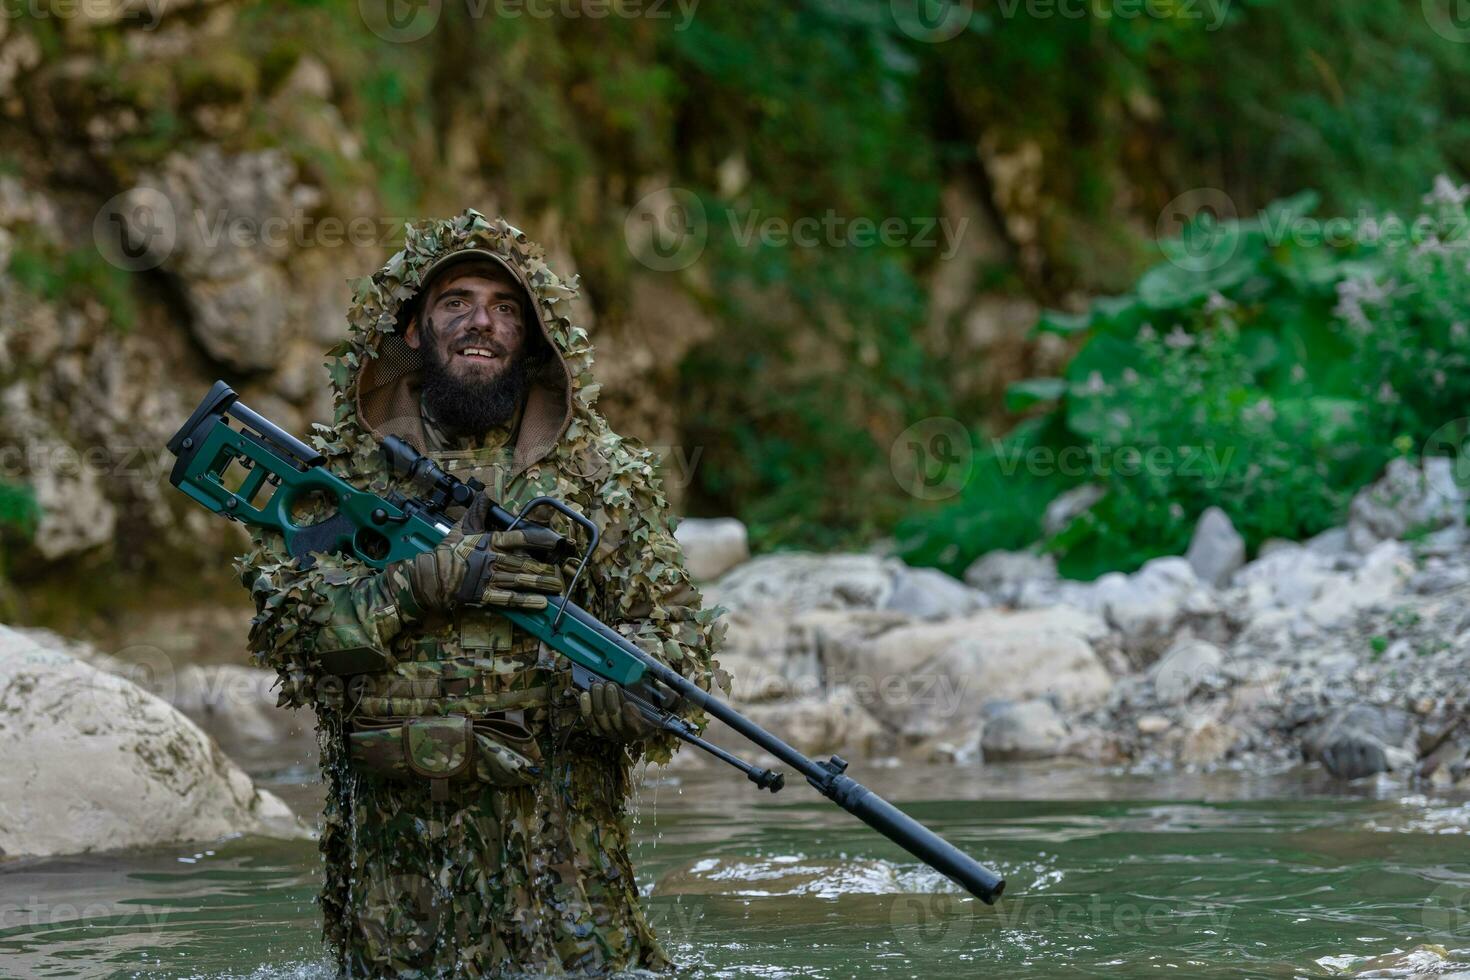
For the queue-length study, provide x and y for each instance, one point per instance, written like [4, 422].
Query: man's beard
[468, 408]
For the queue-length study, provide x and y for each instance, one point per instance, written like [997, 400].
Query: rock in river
[94, 762]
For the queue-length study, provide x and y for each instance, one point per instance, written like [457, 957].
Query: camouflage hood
[376, 375]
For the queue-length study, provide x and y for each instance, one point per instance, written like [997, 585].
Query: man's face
[472, 322]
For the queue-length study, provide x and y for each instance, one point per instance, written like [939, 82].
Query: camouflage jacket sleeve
[338, 617]
[639, 584]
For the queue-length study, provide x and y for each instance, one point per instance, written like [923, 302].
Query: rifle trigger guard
[577, 517]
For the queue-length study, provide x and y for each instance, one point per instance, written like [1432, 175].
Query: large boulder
[834, 722]
[712, 546]
[791, 582]
[773, 658]
[798, 580]
[94, 762]
[933, 679]
[1023, 731]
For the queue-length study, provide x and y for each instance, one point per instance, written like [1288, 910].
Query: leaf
[1021, 395]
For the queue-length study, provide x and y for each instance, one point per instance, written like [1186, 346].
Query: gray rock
[1217, 549]
[1148, 606]
[224, 237]
[1006, 574]
[798, 580]
[712, 546]
[1181, 671]
[928, 680]
[1062, 510]
[1407, 499]
[1362, 740]
[1330, 543]
[927, 593]
[94, 762]
[1027, 730]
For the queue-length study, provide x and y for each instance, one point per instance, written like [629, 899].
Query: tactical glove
[490, 569]
[608, 714]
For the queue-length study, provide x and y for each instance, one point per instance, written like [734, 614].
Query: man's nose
[479, 319]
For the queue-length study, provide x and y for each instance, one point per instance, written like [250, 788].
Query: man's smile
[481, 355]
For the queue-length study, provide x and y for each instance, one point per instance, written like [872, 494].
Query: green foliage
[19, 510]
[1264, 367]
[75, 275]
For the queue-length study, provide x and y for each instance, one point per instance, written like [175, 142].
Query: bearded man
[476, 820]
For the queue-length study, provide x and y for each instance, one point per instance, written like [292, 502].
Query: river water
[1108, 875]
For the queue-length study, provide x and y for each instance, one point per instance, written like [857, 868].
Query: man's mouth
[483, 355]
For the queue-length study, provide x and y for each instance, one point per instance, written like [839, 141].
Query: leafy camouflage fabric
[516, 861]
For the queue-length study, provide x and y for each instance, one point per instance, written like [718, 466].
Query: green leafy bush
[1264, 367]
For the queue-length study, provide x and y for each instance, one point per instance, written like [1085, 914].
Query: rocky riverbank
[1349, 651]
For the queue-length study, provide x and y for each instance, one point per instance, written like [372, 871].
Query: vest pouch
[443, 749]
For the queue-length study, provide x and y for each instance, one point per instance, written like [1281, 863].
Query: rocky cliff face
[186, 189]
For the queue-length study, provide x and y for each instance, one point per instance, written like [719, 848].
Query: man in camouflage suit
[476, 821]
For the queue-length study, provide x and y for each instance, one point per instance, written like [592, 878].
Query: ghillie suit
[474, 824]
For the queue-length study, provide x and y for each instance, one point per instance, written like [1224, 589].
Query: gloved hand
[490, 569]
[608, 714]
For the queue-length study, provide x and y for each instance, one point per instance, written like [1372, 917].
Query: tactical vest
[471, 696]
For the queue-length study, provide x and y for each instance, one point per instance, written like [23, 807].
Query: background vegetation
[1304, 365]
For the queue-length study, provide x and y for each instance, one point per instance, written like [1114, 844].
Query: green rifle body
[278, 471]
